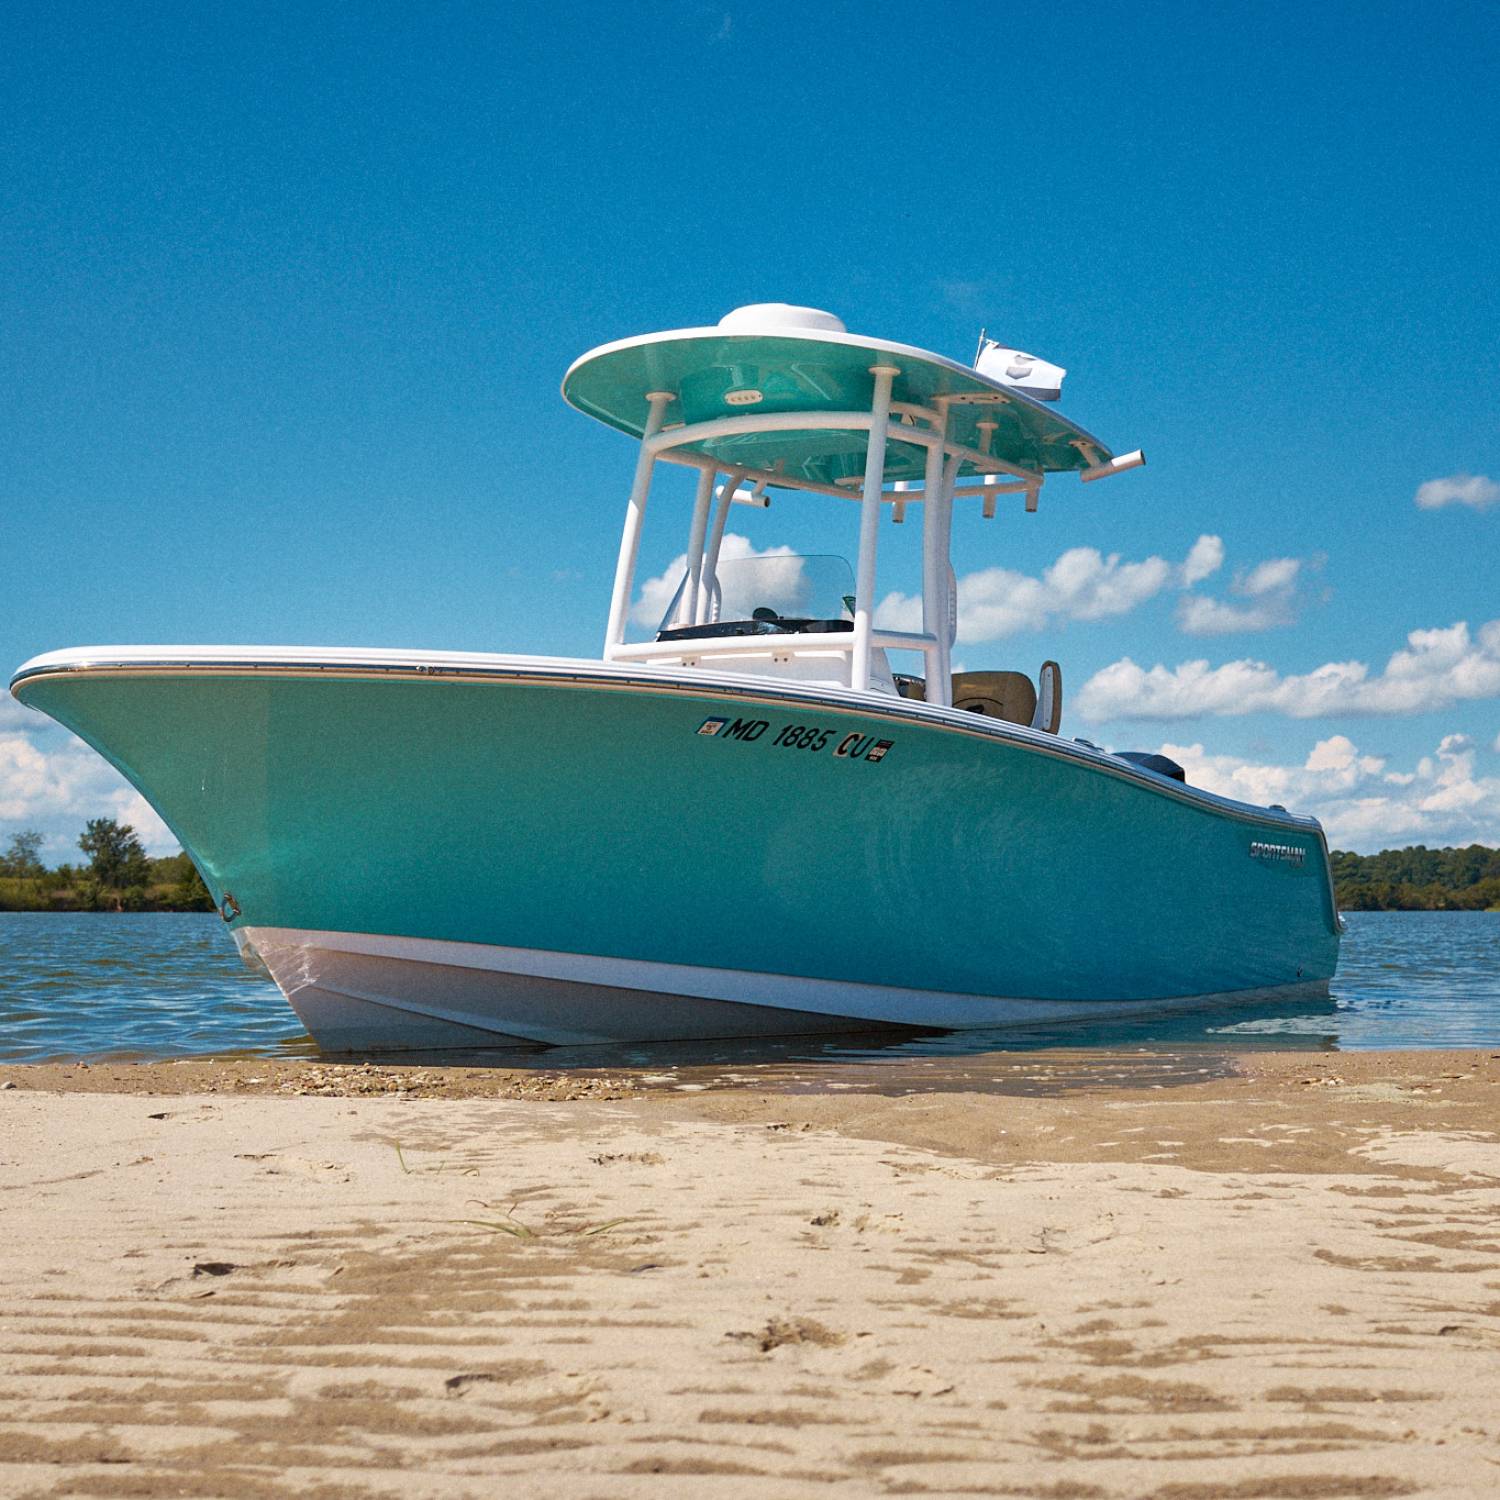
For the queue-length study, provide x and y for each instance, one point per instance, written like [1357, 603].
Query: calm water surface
[146, 985]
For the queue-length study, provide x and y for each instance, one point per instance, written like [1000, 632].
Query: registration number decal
[809, 737]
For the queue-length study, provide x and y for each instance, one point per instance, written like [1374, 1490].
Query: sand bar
[1168, 1275]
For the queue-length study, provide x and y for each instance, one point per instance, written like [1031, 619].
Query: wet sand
[1080, 1276]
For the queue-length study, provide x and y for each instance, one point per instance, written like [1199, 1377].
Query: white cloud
[1476, 490]
[15, 716]
[1334, 766]
[1361, 804]
[54, 783]
[1270, 577]
[1270, 589]
[1204, 559]
[1197, 615]
[1083, 584]
[1438, 669]
[1089, 586]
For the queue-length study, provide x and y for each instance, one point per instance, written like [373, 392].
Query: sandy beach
[1271, 1275]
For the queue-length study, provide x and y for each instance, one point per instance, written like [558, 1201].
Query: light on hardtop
[780, 317]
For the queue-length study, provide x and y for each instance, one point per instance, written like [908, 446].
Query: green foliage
[22, 895]
[1418, 879]
[185, 890]
[119, 876]
[22, 860]
[116, 859]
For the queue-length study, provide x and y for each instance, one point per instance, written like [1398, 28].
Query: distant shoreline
[106, 911]
[157, 909]
[168, 883]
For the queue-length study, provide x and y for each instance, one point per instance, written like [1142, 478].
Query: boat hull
[355, 992]
[563, 853]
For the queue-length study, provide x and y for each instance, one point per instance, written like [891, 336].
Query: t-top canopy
[778, 359]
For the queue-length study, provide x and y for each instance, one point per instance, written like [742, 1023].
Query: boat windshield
[780, 591]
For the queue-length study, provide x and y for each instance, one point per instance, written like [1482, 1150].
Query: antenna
[983, 334]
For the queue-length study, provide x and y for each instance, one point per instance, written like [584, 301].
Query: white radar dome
[779, 317]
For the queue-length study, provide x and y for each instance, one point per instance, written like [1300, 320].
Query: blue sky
[287, 293]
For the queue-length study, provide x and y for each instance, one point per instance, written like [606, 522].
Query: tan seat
[1012, 696]
[998, 695]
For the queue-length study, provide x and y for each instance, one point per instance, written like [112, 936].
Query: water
[132, 984]
[150, 985]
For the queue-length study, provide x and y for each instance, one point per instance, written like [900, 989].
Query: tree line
[117, 875]
[1418, 879]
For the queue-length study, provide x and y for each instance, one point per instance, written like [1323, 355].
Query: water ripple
[160, 984]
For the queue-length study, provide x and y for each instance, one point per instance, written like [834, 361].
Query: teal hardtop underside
[817, 373]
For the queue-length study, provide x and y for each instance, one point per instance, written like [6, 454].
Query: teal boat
[751, 823]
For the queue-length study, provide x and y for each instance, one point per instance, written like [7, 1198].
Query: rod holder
[1114, 466]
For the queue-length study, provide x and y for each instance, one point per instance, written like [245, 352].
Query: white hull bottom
[358, 992]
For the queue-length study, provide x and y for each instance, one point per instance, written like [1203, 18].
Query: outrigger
[748, 824]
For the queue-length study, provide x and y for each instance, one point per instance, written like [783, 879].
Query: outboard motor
[1158, 763]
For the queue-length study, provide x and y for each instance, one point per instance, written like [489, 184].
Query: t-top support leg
[635, 512]
[710, 587]
[935, 565]
[687, 611]
[869, 527]
[948, 613]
